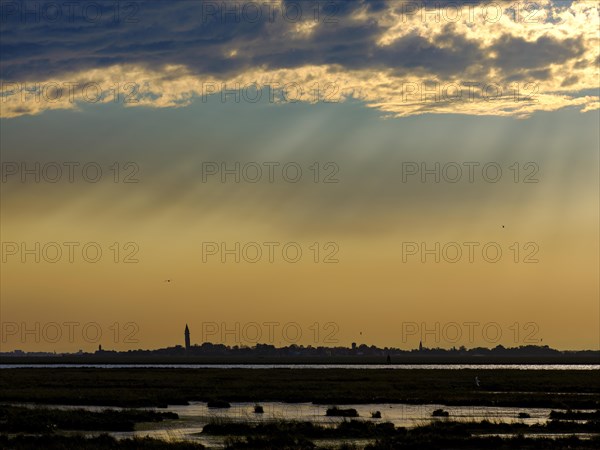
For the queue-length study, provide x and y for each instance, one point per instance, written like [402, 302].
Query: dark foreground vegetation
[300, 436]
[43, 420]
[575, 415]
[439, 435]
[291, 435]
[103, 442]
[483, 443]
[282, 442]
[364, 429]
[347, 429]
[558, 389]
[334, 411]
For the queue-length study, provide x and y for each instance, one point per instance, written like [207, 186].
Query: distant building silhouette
[187, 337]
[420, 346]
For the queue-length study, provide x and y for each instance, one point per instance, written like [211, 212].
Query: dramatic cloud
[403, 58]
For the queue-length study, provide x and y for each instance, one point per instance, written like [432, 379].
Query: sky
[289, 172]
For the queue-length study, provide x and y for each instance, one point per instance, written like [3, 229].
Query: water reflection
[313, 366]
[193, 417]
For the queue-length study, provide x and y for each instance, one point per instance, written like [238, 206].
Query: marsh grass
[46, 420]
[102, 442]
[160, 387]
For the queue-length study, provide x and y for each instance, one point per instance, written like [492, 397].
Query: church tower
[187, 337]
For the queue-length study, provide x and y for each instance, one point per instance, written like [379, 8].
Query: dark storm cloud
[190, 33]
[516, 53]
[199, 35]
[449, 54]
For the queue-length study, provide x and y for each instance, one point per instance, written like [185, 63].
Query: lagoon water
[193, 417]
[313, 366]
[401, 415]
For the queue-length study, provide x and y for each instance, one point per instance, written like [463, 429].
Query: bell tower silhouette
[187, 337]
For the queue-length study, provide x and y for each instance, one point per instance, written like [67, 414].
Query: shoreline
[420, 360]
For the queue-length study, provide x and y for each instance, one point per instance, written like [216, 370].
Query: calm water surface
[193, 417]
[313, 366]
